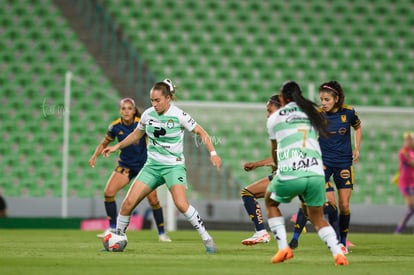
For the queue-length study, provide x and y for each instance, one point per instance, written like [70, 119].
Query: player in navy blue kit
[338, 157]
[131, 160]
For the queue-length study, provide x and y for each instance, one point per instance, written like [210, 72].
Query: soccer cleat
[340, 259]
[294, 244]
[210, 246]
[257, 237]
[344, 249]
[102, 235]
[349, 244]
[282, 255]
[164, 238]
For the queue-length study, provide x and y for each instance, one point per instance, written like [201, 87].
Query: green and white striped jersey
[165, 134]
[298, 151]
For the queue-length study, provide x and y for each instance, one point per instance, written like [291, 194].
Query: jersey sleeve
[187, 121]
[355, 121]
[270, 125]
[110, 134]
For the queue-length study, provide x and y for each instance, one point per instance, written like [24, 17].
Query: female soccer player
[130, 162]
[257, 190]
[293, 131]
[164, 124]
[406, 178]
[338, 157]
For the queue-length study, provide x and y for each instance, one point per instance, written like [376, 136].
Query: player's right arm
[260, 163]
[133, 137]
[101, 146]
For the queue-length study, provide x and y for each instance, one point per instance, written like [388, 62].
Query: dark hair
[274, 99]
[335, 89]
[137, 113]
[291, 92]
[166, 87]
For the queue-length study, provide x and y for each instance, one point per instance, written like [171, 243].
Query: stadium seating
[38, 47]
[232, 51]
[241, 51]
[346, 41]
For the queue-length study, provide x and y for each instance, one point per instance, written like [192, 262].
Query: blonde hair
[408, 135]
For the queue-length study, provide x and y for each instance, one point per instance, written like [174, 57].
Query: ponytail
[291, 92]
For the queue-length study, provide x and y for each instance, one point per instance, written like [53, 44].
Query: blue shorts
[343, 178]
[129, 172]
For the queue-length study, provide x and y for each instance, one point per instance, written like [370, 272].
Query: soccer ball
[114, 242]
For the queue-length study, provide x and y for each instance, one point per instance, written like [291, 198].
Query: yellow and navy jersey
[337, 147]
[133, 156]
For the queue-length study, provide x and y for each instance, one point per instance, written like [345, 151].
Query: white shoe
[102, 235]
[164, 238]
[258, 237]
[210, 246]
[344, 249]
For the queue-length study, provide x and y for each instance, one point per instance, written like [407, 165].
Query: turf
[78, 252]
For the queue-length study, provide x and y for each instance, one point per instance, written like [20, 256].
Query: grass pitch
[78, 252]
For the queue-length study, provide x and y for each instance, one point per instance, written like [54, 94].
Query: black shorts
[129, 172]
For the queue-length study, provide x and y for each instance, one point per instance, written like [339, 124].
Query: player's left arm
[204, 136]
[356, 124]
[357, 142]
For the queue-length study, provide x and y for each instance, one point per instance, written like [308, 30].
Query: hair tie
[169, 83]
[330, 88]
[122, 101]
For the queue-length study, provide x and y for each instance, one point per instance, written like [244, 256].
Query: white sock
[122, 222]
[277, 226]
[194, 218]
[328, 236]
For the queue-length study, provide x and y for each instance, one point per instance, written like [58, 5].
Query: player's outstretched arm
[101, 146]
[136, 135]
[214, 158]
[260, 163]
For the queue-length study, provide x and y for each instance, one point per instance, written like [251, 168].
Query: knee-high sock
[331, 211]
[122, 223]
[299, 224]
[401, 226]
[111, 212]
[328, 236]
[253, 209]
[194, 218]
[277, 226]
[159, 218]
[344, 220]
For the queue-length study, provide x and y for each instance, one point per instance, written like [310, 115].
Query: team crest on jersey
[170, 123]
[343, 118]
[121, 133]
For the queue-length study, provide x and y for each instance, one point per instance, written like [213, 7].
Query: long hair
[291, 92]
[335, 89]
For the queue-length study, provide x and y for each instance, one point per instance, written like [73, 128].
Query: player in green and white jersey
[293, 131]
[164, 123]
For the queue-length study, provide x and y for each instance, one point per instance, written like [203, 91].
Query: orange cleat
[340, 259]
[282, 255]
